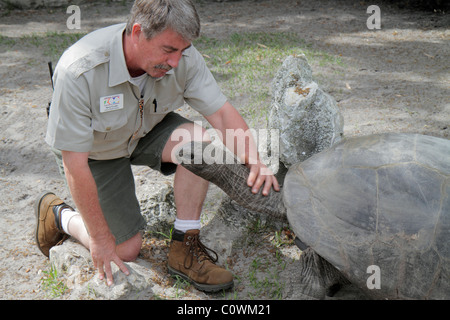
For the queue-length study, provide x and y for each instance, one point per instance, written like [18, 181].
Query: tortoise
[373, 211]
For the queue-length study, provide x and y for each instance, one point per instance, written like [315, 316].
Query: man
[115, 90]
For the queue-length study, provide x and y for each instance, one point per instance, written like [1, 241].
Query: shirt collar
[118, 71]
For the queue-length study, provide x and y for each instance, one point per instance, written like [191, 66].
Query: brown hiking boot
[49, 232]
[190, 259]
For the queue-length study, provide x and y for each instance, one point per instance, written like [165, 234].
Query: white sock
[66, 216]
[185, 225]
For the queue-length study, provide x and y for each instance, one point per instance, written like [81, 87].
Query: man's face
[161, 53]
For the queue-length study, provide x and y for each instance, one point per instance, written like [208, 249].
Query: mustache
[163, 67]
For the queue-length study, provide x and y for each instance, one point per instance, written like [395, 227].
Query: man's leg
[127, 251]
[116, 192]
[56, 221]
[188, 257]
[117, 197]
[189, 190]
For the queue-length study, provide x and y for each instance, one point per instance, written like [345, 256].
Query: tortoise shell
[381, 200]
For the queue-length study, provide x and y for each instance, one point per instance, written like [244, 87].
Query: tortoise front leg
[229, 175]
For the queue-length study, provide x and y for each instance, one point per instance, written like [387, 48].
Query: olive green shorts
[115, 180]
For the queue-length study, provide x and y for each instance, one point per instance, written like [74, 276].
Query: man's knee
[129, 250]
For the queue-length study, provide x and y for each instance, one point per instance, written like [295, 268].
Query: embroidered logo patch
[111, 103]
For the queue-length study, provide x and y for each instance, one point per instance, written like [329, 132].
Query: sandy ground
[395, 79]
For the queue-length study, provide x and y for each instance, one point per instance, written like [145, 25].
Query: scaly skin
[231, 178]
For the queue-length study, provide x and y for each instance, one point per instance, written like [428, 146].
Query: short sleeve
[202, 91]
[69, 127]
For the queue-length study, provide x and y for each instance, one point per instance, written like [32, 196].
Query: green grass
[51, 283]
[244, 65]
[52, 44]
[163, 235]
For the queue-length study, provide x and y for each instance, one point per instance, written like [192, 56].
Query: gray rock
[73, 262]
[309, 119]
[157, 206]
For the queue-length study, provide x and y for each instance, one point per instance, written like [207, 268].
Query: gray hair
[155, 16]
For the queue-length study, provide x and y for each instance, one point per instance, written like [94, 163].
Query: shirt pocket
[166, 105]
[111, 125]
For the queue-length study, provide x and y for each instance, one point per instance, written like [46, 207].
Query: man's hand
[259, 175]
[226, 118]
[103, 252]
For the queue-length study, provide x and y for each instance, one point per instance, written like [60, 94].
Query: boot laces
[198, 250]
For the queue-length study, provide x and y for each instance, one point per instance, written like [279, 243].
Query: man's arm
[227, 117]
[82, 186]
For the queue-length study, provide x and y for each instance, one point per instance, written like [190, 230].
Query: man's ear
[136, 32]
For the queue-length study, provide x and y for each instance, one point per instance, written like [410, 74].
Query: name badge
[111, 103]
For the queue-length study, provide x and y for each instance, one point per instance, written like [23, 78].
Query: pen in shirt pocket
[155, 104]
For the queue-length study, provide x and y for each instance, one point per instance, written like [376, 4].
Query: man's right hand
[103, 252]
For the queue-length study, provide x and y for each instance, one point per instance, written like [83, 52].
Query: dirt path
[395, 79]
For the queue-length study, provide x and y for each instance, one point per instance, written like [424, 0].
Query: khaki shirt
[95, 106]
